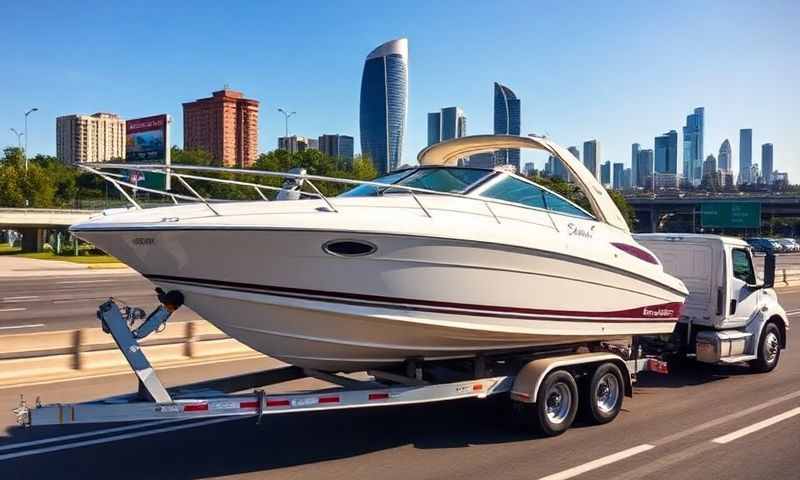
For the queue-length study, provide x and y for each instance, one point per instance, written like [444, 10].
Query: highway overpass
[33, 223]
[652, 213]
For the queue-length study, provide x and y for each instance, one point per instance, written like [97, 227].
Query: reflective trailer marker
[331, 399]
[379, 396]
[198, 407]
[277, 403]
[477, 387]
[253, 404]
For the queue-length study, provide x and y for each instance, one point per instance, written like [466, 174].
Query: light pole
[286, 116]
[19, 138]
[25, 152]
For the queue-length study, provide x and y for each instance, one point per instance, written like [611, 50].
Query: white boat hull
[277, 291]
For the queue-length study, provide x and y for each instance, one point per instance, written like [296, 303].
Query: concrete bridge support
[33, 239]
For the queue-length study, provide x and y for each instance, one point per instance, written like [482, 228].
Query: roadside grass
[6, 249]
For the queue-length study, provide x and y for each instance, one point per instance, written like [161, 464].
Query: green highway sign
[730, 214]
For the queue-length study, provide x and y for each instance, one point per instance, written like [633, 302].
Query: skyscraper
[225, 125]
[605, 174]
[619, 172]
[634, 161]
[709, 166]
[445, 125]
[507, 119]
[693, 146]
[644, 169]
[725, 157]
[384, 99]
[766, 163]
[574, 151]
[337, 146]
[666, 152]
[745, 155]
[592, 156]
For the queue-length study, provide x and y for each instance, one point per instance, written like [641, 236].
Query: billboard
[147, 141]
[730, 214]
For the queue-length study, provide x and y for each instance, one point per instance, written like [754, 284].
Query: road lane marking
[756, 426]
[32, 325]
[20, 309]
[83, 281]
[595, 464]
[15, 446]
[115, 438]
[20, 299]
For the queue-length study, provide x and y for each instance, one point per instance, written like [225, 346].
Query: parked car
[791, 244]
[763, 245]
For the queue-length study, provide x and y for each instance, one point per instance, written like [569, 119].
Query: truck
[731, 316]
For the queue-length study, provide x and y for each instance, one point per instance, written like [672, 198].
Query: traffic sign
[730, 214]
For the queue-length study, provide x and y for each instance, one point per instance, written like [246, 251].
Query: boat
[431, 262]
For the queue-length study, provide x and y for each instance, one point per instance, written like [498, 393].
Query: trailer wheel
[602, 400]
[769, 349]
[556, 404]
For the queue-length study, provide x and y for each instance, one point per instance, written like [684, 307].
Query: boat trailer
[418, 382]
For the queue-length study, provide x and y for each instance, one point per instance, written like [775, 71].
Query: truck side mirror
[769, 270]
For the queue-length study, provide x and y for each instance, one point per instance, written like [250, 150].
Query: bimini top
[448, 152]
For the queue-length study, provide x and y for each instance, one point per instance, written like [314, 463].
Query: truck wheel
[769, 349]
[556, 403]
[602, 400]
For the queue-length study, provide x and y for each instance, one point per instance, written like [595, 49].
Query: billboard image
[147, 141]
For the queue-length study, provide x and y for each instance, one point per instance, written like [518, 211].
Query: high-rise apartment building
[507, 120]
[384, 100]
[225, 125]
[666, 152]
[447, 124]
[745, 156]
[725, 157]
[767, 165]
[336, 146]
[592, 156]
[296, 144]
[619, 172]
[90, 138]
[693, 146]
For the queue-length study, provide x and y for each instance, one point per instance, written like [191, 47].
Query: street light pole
[25, 152]
[286, 116]
[19, 138]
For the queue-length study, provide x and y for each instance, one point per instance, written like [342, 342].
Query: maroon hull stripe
[665, 312]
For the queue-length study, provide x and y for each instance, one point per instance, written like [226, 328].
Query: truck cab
[732, 314]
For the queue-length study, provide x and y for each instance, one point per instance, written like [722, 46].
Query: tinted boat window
[560, 205]
[369, 190]
[511, 189]
[451, 180]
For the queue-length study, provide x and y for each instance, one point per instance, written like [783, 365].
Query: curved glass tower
[384, 97]
[506, 121]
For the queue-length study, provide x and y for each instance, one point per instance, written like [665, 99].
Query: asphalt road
[696, 424]
[29, 304]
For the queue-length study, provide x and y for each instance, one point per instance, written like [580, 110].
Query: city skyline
[610, 107]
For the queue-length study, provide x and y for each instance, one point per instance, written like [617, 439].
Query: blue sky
[620, 72]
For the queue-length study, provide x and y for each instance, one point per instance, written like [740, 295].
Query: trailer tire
[769, 349]
[556, 404]
[602, 399]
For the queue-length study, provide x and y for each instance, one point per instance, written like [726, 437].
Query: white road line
[15, 446]
[114, 438]
[83, 281]
[20, 309]
[32, 325]
[594, 464]
[19, 299]
[756, 426]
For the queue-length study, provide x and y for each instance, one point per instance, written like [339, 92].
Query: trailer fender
[530, 377]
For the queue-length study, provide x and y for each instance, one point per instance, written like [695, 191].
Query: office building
[529, 169]
[605, 174]
[767, 165]
[627, 181]
[666, 181]
[592, 156]
[644, 169]
[295, 144]
[447, 124]
[745, 156]
[666, 152]
[90, 138]
[224, 125]
[725, 157]
[507, 118]
[434, 128]
[336, 146]
[618, 172]
[384, 100]
[693, 146]
[634, 160]
[482, 160]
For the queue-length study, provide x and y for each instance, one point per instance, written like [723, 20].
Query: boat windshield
[446, 179]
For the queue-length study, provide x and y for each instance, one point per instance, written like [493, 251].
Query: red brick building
[225, 125]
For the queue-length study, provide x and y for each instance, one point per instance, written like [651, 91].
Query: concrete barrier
[38, 356]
